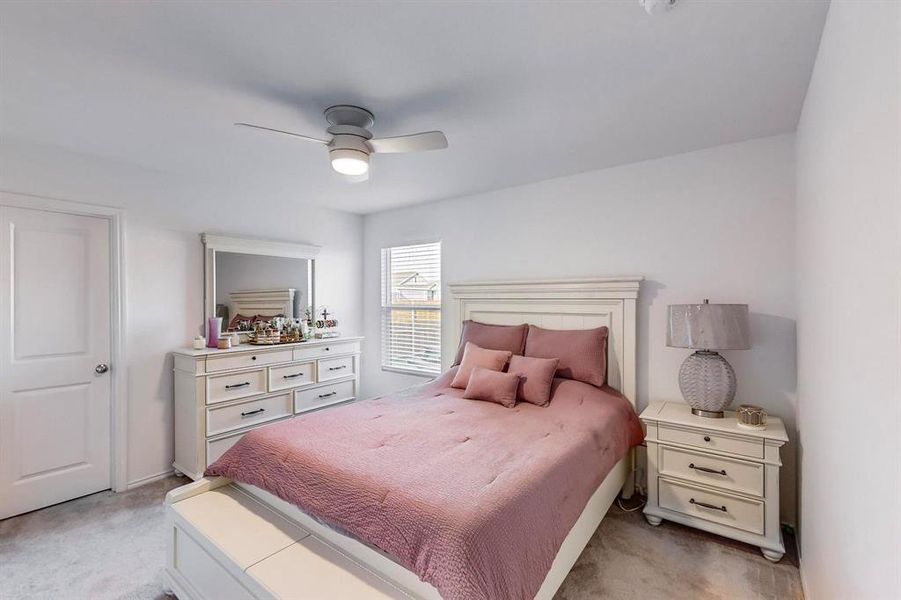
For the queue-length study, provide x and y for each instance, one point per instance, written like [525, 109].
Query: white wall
[715, 224]
[164, 281]
[849, 292]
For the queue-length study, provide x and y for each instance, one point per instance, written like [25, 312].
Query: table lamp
[706, 379]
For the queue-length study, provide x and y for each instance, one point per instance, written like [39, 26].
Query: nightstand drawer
[729, 474]
[740, 513]
[713, 441]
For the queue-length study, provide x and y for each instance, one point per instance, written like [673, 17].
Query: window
[411, 308]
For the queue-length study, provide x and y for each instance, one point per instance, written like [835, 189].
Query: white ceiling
[524, 91]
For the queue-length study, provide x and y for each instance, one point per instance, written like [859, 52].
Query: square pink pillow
[492, 337]
[492, 386]
[582, 352]
[473, 356]
[535, 378]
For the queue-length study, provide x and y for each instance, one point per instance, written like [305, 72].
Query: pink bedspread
[473, 497]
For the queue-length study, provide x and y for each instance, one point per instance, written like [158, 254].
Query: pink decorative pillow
[493, 337]
[473, 356]
[582, 352]
[492, 386]
[535, 378]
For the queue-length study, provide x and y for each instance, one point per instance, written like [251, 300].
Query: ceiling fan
[352, 143]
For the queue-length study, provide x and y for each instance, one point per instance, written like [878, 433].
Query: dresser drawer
[333, 368]
[714, 441]
[311, 398]
[218, 447]
[220, 419]
[740, 513]
[237, 385]
[302, 353]
[728, 474]
[248, 359]
[289, 376]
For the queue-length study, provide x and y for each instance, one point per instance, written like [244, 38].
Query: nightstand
[713, 475]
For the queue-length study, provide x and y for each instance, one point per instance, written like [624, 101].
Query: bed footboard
[223, 544]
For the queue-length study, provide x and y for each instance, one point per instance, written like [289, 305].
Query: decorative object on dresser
[222, 394]
[751, 417]
[213, 329]
[325, 324]
[706, 379]
[715, 476]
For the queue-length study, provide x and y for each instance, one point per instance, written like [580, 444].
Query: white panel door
[54, 332]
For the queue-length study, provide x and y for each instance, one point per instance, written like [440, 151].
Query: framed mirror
[247, 279]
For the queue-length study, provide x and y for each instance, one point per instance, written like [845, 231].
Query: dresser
[713, 475]
[222, 394]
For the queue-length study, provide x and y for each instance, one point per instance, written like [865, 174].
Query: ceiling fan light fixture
[349, 162]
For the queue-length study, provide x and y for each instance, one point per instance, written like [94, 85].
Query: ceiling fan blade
[303, 137]
[415, 142]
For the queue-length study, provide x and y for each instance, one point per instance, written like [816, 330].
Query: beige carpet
[110, 546]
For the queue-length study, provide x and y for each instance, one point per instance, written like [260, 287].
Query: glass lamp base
[707, 383]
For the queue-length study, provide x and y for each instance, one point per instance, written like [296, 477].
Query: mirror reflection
[252, 287]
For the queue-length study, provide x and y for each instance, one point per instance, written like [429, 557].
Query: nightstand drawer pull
[707, 469]
[292, 376]
[337, 368]
[705, 505]
[253, 412]
[706, 438]
[327, 395]
[237, 385]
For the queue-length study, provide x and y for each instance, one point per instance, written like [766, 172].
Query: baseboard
[149, 479]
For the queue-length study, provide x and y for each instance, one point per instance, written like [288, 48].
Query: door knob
[101, 368]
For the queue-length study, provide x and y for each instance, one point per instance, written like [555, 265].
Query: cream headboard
[557, 304]
[263, 302]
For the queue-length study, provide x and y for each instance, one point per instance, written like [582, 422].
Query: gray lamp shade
[708, 326]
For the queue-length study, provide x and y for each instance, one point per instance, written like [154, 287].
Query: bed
[235, 539]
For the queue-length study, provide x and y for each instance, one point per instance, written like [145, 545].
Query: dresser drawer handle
[327, 395]
[707, 469]
[237, 385]
[292, 376]
[337, 368]
[253, 412]
[706, 438]
[705, 505]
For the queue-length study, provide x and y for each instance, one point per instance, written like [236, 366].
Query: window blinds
[411, 308]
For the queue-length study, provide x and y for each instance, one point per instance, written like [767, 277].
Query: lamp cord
[619, 502]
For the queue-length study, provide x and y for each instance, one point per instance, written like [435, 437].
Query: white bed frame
[229, 540]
